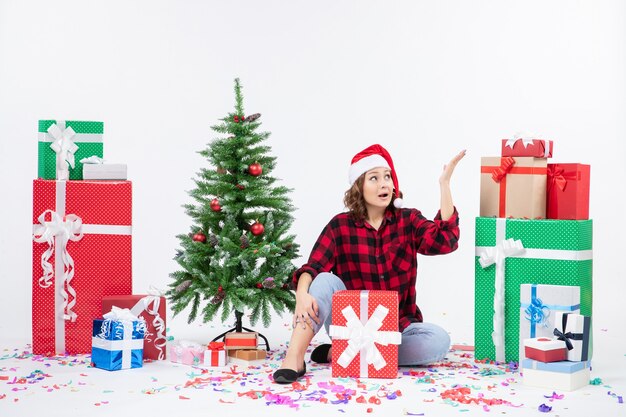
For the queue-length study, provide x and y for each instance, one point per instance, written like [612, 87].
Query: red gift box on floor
[152, 309]
[365, 334]
[538, 148]
[543, 349]
[81, 253]
[568, 191]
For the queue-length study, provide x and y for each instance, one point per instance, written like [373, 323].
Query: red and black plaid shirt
[384, 259]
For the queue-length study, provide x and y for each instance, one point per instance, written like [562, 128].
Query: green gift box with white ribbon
[511, 252]
[63, 143]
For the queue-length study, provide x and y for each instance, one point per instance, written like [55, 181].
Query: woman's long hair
[355, 202]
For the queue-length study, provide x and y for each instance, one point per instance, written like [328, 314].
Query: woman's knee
[326, 282]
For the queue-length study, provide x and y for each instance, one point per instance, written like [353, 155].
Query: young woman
[373, 246]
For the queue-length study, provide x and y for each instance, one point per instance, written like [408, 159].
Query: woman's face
[377, 188]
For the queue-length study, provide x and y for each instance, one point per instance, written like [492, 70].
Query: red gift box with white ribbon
[151, 308]
[365, 334]
[82, 251]
[518, 146]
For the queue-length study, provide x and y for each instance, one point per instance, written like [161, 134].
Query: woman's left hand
[448, 169]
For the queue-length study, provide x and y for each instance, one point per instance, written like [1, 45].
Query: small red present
[82, 251]
[544, 349]
[568, 192]
[215, 355]
[365, 334]
[152, 309]
[538, 148]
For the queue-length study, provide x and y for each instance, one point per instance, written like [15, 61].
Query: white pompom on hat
[374, 156]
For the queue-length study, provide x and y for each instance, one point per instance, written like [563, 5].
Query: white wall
[424, 78]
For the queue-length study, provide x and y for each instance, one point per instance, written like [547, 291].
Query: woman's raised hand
[448, 169]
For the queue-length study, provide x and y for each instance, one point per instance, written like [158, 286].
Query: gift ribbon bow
[557, 176]
[150, 304]
[58, 231]
[362, 338]
[216, 346]
[568, 336]
[519, 137]
[500, 172]
[63, 145]
[537, 312]
[497, 255]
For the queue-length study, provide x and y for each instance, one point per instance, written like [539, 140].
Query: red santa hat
[374, 156]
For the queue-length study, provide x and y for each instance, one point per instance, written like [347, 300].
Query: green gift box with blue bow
[63, 143]
[512, 252]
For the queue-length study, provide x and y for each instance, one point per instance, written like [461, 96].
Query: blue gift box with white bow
[117, 344]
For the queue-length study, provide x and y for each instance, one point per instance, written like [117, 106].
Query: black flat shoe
[320, 353]
[287, 376]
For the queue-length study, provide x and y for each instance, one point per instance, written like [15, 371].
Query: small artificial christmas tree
[239, 253]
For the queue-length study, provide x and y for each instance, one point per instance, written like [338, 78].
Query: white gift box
[215, 358]
[556, 376]
[538, 307]
[104, 172]
[577, 329]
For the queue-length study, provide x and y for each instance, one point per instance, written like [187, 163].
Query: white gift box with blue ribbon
[538, 307]
[560, 376]
[117, 341]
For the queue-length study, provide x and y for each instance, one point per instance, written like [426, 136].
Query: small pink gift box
[186, 352]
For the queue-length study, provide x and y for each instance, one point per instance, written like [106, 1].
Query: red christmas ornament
[215, 205]
[255, 169]
[259, 285]
[220, 289]
[241, 187]
[199, 237]
[257, 229]
[236, 118]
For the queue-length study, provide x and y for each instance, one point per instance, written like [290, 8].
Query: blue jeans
[422, 343]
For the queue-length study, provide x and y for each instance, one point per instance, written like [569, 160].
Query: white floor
[32, 386]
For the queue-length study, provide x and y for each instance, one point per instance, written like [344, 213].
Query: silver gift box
[104, 172]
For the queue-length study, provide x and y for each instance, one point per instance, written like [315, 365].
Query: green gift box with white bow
[511, 252]
[63, 143]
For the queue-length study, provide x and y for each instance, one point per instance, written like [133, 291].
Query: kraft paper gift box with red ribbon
[568, 191]
[575, 331]
[544, 349]
[556, 376]
[117, 341]
[365, 334]
[513, 187]
[150, 308]
[82, 251]
[215, 355]
[539, 307]
[512, 252]
[240, 340]
[538, 148]
[63, 144]
[186, 352]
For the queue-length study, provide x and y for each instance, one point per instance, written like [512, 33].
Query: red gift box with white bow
[82, 251]
[365, 334]
[538, 148]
